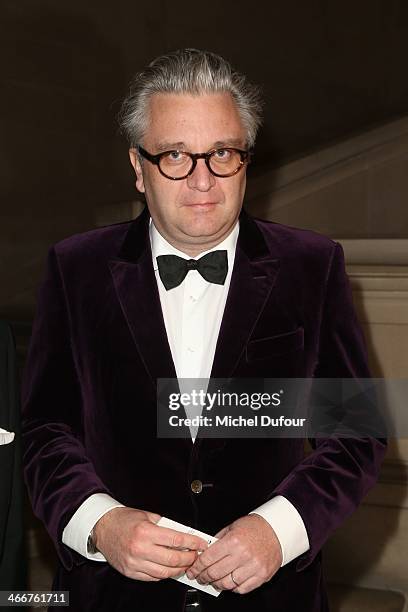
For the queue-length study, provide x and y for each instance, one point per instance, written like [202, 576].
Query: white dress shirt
[192, 314]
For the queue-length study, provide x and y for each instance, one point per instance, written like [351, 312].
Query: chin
[203, 228]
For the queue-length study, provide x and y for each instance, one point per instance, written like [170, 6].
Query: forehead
[200, 119]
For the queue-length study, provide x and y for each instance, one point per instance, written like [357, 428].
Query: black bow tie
[213, 267]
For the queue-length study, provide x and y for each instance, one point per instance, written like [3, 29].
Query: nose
[201, 179]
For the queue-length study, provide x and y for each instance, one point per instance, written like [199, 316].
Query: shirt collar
[160, 246]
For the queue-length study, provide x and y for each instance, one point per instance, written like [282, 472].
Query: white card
[207, 588]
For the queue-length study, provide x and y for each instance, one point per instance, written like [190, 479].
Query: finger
[155, 570]
[225, 582]
[247, 586]
[144, 577]
[214, 553]
[176, 539]
[217, 571]
[152, 516]
[170, 557]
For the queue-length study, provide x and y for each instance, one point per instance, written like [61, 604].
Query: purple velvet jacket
[89, 401]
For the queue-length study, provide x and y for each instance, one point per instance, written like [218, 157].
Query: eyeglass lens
[177, 164]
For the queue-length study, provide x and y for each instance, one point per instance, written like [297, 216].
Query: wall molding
[355, 189]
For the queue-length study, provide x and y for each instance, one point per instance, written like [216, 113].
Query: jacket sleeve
[58, 474]
[328, 485]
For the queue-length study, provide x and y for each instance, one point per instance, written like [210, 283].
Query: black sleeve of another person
[12, 557]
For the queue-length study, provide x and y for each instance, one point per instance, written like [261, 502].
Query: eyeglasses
[177, 165]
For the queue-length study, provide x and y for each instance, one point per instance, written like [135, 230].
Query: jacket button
[196, 486]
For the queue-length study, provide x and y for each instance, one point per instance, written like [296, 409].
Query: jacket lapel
[136, 288]
[253, 277]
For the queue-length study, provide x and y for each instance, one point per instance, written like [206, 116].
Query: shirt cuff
[78, 530]
[6, 436]
[288, 525]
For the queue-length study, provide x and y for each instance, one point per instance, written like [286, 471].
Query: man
[116, 313]
[12, 566]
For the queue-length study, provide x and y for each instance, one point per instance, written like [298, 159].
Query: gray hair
[189, 71]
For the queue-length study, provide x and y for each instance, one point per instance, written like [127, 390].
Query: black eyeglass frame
[155, 159]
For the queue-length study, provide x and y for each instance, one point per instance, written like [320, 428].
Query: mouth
[202, 205]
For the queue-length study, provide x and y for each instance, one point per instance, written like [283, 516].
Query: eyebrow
[169, 146]
[229, 142]
[181, 146]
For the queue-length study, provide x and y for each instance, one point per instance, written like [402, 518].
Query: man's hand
[133, 544]
[248, 547]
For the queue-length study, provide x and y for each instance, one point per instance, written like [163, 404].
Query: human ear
[137, 167]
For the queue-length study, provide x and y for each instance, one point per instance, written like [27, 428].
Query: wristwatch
[91, 543]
